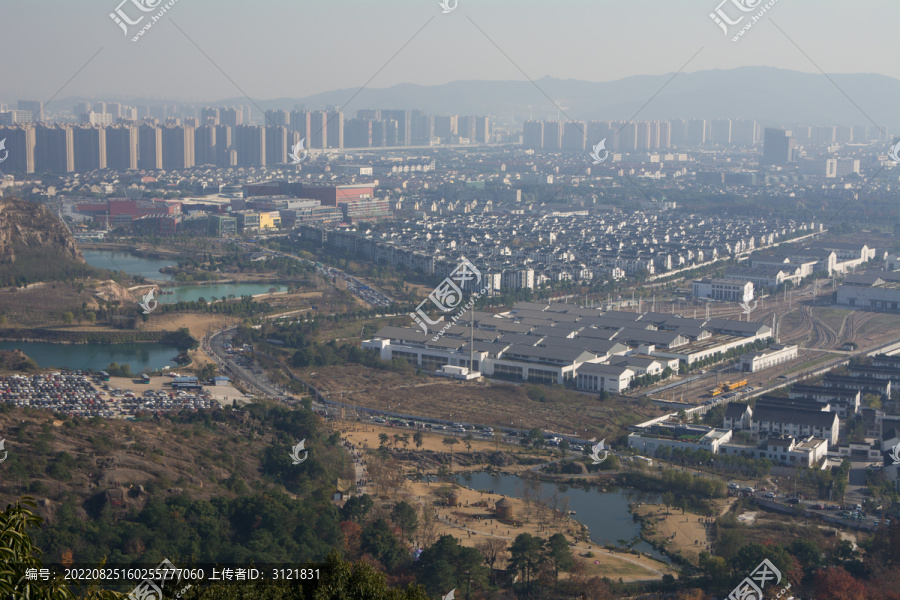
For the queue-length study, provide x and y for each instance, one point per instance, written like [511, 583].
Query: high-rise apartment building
[318, 129]
[20, 147]
[358, 133]
[35, 107]
[482, 130]
[573, 136]
[150, 154]
[205, 145]
[178, 147]
[404, 125]
[552, 135]
[335, 131]
[721, 132]
[277, 145]
[231, 116]
[744, 132]
[778, 147]
[697, 132]
[89, 148]
[277, 118]
[446, 126]
[250, 143]
[226, 155]
[299, 121]
[122, 147]
[533, 135]
[54, 149]
[209, 116]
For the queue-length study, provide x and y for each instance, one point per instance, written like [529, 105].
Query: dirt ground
[470, 524]
[488, 403]
[685, 533]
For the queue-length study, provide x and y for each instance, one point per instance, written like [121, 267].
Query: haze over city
[450, 299]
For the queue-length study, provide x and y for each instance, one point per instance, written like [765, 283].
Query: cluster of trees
[240, 262]
[539, 560]
[830, 568]
[645, 380]
[338, 579]
[739, 465]
[729, 354]
[38, 264]
[245, 307]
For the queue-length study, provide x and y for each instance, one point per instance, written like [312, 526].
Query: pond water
[132, 264]
[96, 356]
[604, 513]
[117, 260]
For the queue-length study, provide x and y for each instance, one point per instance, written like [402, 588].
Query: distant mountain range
[770, 95]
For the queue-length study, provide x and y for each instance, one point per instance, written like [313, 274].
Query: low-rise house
[770, 421]
[844, 402]
[677, 435]
[806, 451]
[737, 416]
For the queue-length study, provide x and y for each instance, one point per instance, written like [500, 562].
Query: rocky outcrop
[28, 226]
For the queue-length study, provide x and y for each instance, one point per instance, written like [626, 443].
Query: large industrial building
[556, 343]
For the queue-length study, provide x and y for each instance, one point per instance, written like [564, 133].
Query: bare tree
[428, 525]
[493, 550]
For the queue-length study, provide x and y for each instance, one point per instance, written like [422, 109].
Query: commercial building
[593, 377]
[876, 290]
[728, 290]
[751, 362]
[332, 195]
[222, 226]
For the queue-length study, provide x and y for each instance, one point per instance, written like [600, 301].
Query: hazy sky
[293, 48]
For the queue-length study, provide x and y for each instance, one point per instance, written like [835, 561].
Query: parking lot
[78, 393]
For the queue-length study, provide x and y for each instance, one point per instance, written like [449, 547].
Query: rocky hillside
[28, 227]
[35, 246]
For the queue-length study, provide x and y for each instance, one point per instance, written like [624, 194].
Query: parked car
[793, 500]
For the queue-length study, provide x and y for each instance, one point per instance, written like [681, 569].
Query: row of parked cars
[455, 427]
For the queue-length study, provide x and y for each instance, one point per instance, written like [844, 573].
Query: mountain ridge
[770, 95]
